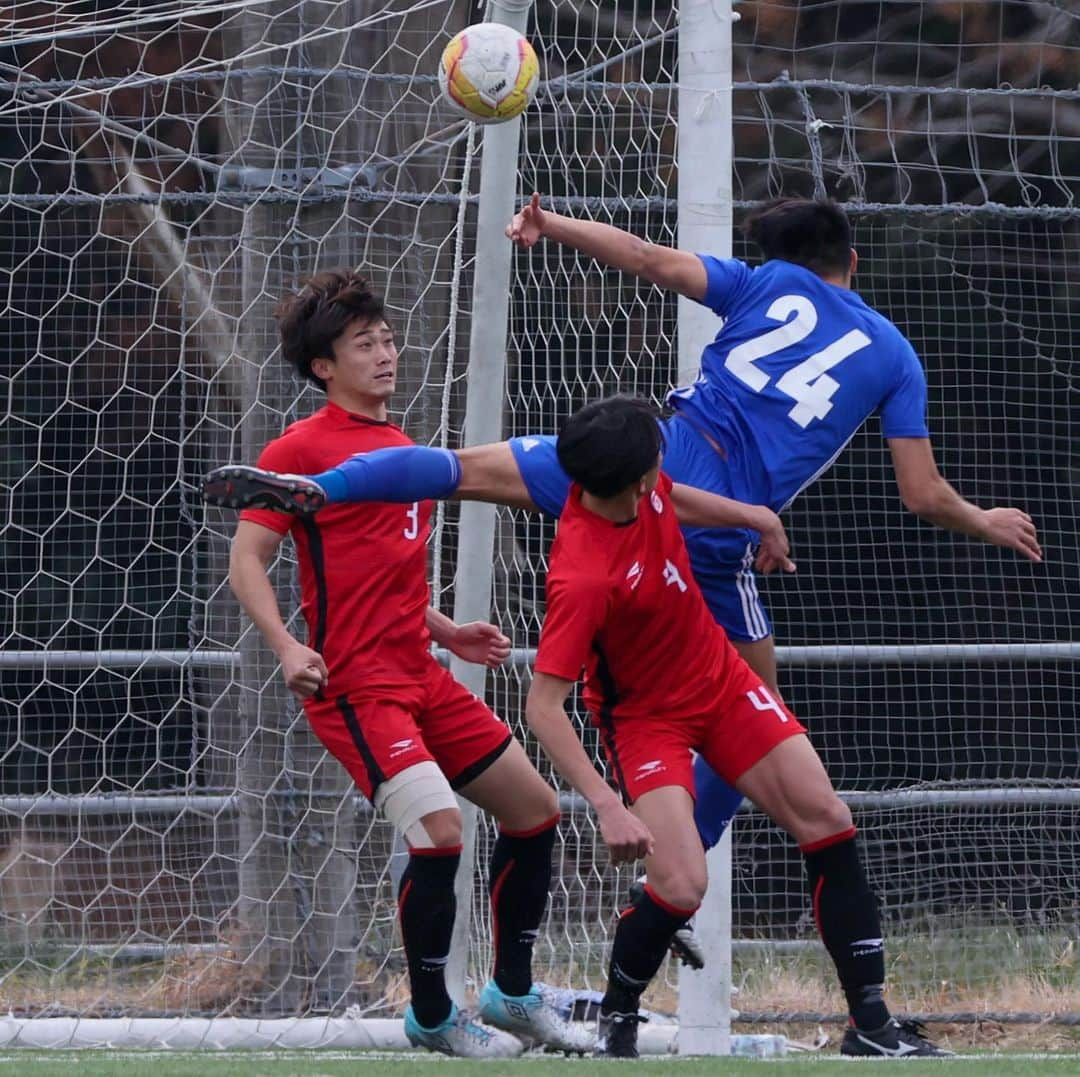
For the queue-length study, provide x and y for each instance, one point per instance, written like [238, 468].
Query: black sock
[519, 881]
[426, 910]
[641, 941]
[846, 912]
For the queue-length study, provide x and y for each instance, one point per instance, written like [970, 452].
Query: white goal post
[705, 224]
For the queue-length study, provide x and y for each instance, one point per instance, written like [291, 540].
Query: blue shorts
[722, 560]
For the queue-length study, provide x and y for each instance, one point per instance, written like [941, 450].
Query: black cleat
[241, 487]
[895, 1039]
[616, 1035]
[684, 945]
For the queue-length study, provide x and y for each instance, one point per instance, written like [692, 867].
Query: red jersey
[363, 567]
[622, 603]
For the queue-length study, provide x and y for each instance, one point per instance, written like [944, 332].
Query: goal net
[175, 843]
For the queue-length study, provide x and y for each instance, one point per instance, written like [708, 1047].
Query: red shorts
[744, 726]
[377, 734]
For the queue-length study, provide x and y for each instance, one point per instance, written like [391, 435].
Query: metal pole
[484, 402]
[705, 195]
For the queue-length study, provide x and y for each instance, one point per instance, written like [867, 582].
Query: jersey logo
[671, 576]
[635, 574]
[657, 504]
[528, 444]
[400, 746]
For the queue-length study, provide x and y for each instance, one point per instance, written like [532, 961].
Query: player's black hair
[311, 320]
[610, 444]
[811, 233]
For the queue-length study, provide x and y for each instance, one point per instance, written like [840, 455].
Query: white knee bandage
[407, 797]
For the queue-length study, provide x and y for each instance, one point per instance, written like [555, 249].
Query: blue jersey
[796, 369]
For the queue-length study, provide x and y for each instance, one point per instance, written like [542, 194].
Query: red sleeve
[664, 483]
[279, 455]
[577, 607]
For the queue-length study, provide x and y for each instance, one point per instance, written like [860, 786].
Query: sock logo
[629, 981]
[865, 947]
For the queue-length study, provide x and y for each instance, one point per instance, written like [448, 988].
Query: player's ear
[322, 367]
[854, 262]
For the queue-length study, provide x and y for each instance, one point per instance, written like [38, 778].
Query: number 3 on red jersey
[412, 514]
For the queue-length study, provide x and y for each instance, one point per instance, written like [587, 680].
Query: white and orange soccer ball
[489, 72]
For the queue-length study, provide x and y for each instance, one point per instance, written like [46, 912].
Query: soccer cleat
[895, 1039]
[240, 487]
[535, 1018]
[684, 944]
[616, 1035]
[462, 1036]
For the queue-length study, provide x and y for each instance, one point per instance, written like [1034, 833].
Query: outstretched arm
[253, 549]
[626, 836]
[698, 508]
[675, 270]
[926, 493]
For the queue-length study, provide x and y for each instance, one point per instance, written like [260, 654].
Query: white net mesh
[173, 841]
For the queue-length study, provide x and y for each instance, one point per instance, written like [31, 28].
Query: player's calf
[684, 945]
[238, 486]
[641, 940]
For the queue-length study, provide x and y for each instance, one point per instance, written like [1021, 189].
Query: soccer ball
[489, 72]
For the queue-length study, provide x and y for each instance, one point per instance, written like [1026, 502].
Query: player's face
[365, 361]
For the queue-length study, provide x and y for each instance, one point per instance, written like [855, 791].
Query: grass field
[368, 1064]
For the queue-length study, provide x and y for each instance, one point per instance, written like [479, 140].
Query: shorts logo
[657, 504]
[654, 766]
[400, 746]
[635, 574]
[528, 444]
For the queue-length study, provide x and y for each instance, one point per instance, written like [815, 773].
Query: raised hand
[528, 224]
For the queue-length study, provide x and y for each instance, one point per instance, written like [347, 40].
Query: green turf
[361, 1064]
